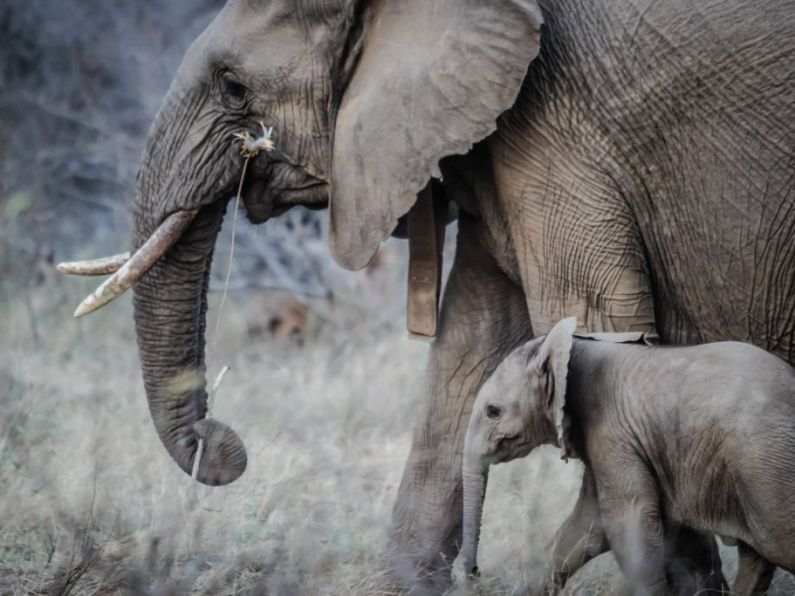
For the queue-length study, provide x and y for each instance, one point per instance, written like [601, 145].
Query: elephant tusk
[164, 237]
[101, 266]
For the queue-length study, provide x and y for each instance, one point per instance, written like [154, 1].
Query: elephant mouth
[521, 450]
[509, 448]
[281, 185]
[314, 194]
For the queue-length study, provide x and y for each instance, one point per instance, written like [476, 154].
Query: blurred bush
[80, 81]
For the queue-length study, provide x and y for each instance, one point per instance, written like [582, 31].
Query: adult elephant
[630, 163]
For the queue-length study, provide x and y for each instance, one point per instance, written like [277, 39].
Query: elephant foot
[421, 571]
[693, 563]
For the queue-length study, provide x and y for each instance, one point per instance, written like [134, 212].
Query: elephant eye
[493, 412]
[234, 92]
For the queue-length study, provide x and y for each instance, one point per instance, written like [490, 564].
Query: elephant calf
[700, 436]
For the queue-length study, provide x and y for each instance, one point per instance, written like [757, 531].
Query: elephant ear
[552, 359]
[432, 78]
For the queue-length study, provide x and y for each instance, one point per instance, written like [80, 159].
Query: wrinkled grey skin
[700, 436]
[630, 164]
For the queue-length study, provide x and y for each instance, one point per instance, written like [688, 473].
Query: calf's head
[521, 406]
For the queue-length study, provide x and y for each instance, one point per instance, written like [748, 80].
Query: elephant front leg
[630, 512]
[754, 573]
[483, 318]
[579, 539]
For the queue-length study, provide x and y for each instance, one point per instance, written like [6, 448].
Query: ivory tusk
[101, 266]
[163, 238]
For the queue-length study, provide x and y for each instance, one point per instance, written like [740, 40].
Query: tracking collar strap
[425, 224]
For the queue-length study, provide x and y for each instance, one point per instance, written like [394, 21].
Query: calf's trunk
[475, 477]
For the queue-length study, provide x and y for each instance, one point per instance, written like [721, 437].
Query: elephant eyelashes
[234, 93]
[493, 412]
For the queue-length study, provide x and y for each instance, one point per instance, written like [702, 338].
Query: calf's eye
[493, 412]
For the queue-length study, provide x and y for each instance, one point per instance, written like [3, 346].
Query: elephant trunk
[170, 304]
[475, 478]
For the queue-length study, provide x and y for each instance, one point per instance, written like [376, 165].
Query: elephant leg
[691, 557]
[693, 564]
[630, 511]
[754, 573]
[483, 318]
[579, 539]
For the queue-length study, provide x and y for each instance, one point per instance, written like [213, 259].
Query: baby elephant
[700, 436]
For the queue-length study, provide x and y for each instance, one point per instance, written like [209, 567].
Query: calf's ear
[552, 360]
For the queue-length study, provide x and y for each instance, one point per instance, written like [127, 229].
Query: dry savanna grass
[91, 504]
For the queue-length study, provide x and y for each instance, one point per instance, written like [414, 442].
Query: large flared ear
[432, 78]
[552, 359]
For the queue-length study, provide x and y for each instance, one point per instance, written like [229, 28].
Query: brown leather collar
[426, 225]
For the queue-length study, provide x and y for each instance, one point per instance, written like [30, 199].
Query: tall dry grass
[91, 504]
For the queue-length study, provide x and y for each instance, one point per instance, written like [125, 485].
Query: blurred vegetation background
[79, 84]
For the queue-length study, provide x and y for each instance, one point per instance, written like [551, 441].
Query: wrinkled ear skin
[553, 357]
[431, 79]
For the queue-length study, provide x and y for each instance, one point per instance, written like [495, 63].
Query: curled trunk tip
[223, 458]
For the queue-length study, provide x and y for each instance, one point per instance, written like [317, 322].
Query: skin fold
[701, 437]
[628, 164]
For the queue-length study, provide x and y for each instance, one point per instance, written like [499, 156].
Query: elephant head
[521, 406]
[364, 97]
